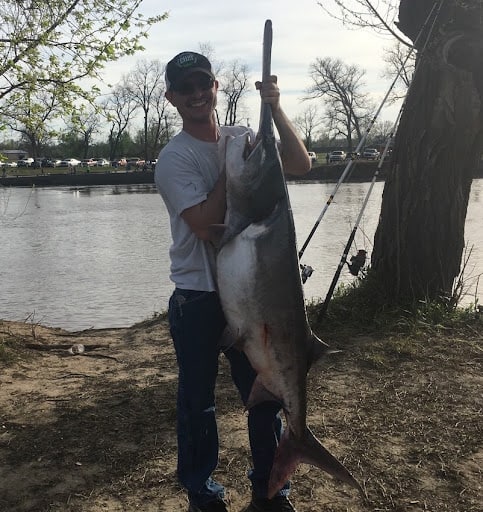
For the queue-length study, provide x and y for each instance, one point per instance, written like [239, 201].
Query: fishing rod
[359, 264]
[307, 271]
[343, 259]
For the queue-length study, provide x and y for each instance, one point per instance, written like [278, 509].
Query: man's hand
[269, 92]
[295, 158]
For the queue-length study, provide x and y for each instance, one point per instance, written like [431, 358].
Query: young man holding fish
[190, 178]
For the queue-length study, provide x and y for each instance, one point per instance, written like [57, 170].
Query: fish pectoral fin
[259, 394]
[292, 451]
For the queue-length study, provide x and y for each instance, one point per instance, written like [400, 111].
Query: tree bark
[419, 241]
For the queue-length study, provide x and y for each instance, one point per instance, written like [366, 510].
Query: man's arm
[210, 211]
[295, 158]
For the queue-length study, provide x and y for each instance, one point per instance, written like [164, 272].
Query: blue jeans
[197, 323]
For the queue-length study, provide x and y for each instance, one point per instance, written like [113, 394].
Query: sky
[302, 32]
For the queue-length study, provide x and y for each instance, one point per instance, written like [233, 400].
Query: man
[190, 179]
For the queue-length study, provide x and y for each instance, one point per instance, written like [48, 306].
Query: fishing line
[306, 269]
[368, 130]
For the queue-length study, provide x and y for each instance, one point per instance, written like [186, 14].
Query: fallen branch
[63, 346]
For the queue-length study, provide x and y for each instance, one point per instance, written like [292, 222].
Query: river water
[98, 256]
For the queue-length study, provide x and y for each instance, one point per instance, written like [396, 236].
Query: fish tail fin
[291, 452]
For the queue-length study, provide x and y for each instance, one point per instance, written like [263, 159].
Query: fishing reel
[357, 262]
[307, 271]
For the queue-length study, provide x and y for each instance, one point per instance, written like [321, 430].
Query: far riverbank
[361, 171]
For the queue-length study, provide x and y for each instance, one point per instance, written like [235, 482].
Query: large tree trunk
[419, 241]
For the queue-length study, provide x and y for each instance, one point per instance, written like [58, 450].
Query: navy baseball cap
[183, 65]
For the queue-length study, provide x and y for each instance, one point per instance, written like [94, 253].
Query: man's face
[195, 97]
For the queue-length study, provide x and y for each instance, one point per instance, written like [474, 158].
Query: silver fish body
[261, 292]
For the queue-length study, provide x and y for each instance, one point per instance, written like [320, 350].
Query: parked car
[120, 162]
[25, 162]
[337, 156]
[103, 162]
[312, 156]
[70, 162]
[9, 164]
[51, 162]
[88, 162]
[135, 163]
[371, 154]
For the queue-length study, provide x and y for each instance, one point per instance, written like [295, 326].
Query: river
[97, 256]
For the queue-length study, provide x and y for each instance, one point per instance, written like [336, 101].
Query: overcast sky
[302, 32]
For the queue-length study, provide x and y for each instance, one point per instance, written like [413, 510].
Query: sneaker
[277, 504]
[212, 506]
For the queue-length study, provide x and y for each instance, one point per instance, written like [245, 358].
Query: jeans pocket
[182, 300]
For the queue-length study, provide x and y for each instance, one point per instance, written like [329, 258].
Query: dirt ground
[95, 432]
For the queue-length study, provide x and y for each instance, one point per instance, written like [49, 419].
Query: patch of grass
[155, 319]
[8, 346]
[363, 309]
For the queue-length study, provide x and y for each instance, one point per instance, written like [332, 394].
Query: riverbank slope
[96, 432]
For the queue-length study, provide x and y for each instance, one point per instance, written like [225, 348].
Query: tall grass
[364, 308]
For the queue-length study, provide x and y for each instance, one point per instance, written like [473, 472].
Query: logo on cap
[186, 60]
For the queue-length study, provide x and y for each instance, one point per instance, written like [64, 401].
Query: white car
[9, 164]
[103, 162]
[337, 156]
[371, 154]
[70, 162]
[312, 156]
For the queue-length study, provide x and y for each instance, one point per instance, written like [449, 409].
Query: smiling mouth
[198, 103]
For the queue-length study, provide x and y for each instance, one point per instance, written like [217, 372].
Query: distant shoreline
[361, 171]
[80, 179]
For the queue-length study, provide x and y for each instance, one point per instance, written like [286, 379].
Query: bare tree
[308, 123]
[85, 121]
[145, 87]
[381, 131]
[119, 109]
[233, 86]
[400, 64]
[340, 87]
[161, 126]
[379, 16]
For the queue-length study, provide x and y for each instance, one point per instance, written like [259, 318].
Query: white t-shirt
[186, 172]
